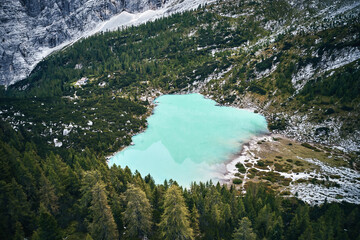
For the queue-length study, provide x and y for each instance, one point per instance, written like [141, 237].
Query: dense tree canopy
[87, 200]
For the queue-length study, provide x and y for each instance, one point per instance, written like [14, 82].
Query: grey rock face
[31, 28]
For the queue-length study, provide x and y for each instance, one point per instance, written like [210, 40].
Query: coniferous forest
[70, 192]
[75, 195]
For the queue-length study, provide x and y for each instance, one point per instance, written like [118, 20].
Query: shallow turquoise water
[189, 139]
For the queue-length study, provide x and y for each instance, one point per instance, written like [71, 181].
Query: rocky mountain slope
[30, 29]
[33, 29]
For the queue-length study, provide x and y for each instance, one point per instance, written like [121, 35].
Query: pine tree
[89, 180]
[244, 231]
[14, 207]
[194, 222]
[157, 203]
[300, 222]
[307, 234]
[175, 224]
[102, 225]
[19, 232]
[48, 227]
[137, 216]
[277, 229]
[213, 213]
[88, 237]
[264, 221]
[48, 196]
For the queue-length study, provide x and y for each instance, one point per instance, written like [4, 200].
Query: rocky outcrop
[30, 29]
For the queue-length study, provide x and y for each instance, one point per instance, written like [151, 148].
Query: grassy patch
[290, 156]
[295, 154]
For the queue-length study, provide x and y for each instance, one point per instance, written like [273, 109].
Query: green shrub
[308, 146]
[241, 168]
[260, 163]
[265, 64]
[298, 163]
[329, 111]
[237, 181]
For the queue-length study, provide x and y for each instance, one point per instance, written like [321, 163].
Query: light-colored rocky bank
[318, 175]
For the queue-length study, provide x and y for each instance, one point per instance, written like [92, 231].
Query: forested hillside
[244, 54]
[76, 196]
[295, 63]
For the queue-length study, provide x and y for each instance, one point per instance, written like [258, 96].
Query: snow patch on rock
[347, 185]
[302, 76]
[57, 142]
[329, 61]
[27, 39]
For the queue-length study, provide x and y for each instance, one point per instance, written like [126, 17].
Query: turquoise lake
[189, 138]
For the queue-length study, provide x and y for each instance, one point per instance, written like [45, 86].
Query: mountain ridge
[32, 29]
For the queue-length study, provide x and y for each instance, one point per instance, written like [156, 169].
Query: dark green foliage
[237, 181]
[171, 54]
[48, 227]
[265, 64]
[257, 89]
[19, 232]
[128, 56]
[89, 201]
[244, 231]
[329, 111]
[346, 108]
[260, 163]
[287, 45]
[308, 146]
[42, 111]
[194, 222]
[102, 225]
[240, 167]
[298, 163]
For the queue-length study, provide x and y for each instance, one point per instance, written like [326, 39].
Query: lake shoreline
[245, 153]
[205, 131]
[151, 109]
